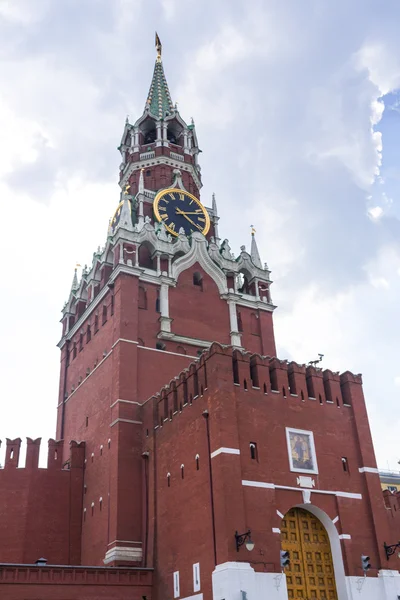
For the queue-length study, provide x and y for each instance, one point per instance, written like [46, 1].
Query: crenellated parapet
[58, 458]
[262, 375]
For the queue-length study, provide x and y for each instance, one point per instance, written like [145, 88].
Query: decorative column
[165, 136]
[136, 139]
[235, 335]
[158, 258]
[164, 309]
[185, 142]
[159, 136]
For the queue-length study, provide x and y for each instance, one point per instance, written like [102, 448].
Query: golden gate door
[310, 574]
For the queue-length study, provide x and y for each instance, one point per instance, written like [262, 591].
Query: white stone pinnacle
[255, 256]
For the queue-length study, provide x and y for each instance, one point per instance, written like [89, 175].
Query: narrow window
[197, 462]
[169, 479]
[96, 323]
[198, 280]
[112, 304]
[183, 471]
[345, 464]
[320, 398]
[11, 453]
[100, 503]
[253, 451]
[109, 444]
[235, 369]
[245, 384]
[84, 514]
[148, 173]
[302, 395]
[88, 334]
[265, 388]
[284, 392]
[158, 308]
[92, 507]
[92, 457]
[55, 454]
[337, 401]
[74, 351]
[104, 320]
[101, 450]
[87, 421]
[175, 399]
[81, 342]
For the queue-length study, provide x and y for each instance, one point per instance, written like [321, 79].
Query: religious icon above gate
[301, 449]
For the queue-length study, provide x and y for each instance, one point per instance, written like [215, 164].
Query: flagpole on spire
[158, 47]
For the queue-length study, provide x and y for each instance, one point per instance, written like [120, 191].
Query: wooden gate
[310, 574]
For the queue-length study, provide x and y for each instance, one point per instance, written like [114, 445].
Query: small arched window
[180, 350]
[96, 323]
[160, 346]
[81, 342]
[169, 479]
[197, 462]
[74, 350]
[88, 334]
[183, 471]
[253, 450]
[198, 280]
[104, 320]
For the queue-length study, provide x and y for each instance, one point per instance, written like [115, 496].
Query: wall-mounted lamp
[244, 538]
[389, 550]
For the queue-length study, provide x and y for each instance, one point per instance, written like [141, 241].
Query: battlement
[55, 454]
[264, 374]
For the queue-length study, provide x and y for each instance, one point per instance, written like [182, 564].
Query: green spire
[159, 101]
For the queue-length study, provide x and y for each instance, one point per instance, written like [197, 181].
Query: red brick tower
[161, 290]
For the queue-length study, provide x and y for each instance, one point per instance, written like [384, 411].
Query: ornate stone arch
[198, 254]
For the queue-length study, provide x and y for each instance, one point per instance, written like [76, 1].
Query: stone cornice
[159, 160]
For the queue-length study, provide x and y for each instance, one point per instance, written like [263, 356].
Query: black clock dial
[178, 209]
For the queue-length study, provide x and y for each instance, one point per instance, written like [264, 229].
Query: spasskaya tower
[161, 290]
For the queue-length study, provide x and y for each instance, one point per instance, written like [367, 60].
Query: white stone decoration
[306, 482]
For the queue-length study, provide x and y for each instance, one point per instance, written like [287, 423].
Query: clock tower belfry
[160, 291]
[159, 143]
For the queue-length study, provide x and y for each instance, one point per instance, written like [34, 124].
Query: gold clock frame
[166, 191]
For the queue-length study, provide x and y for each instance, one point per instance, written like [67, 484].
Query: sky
[297, 111]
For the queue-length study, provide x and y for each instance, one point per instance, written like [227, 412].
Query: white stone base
[384, 587]
[123, 553]
[230, 579]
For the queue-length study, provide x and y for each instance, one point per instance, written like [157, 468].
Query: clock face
[176, 209]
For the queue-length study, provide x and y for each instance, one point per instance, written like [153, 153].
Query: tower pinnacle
[159, 102]
[255, 255]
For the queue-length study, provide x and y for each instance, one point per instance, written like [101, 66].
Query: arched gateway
[310, 573]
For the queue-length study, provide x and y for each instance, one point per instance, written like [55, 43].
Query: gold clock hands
[180, 212]
[195, 212]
